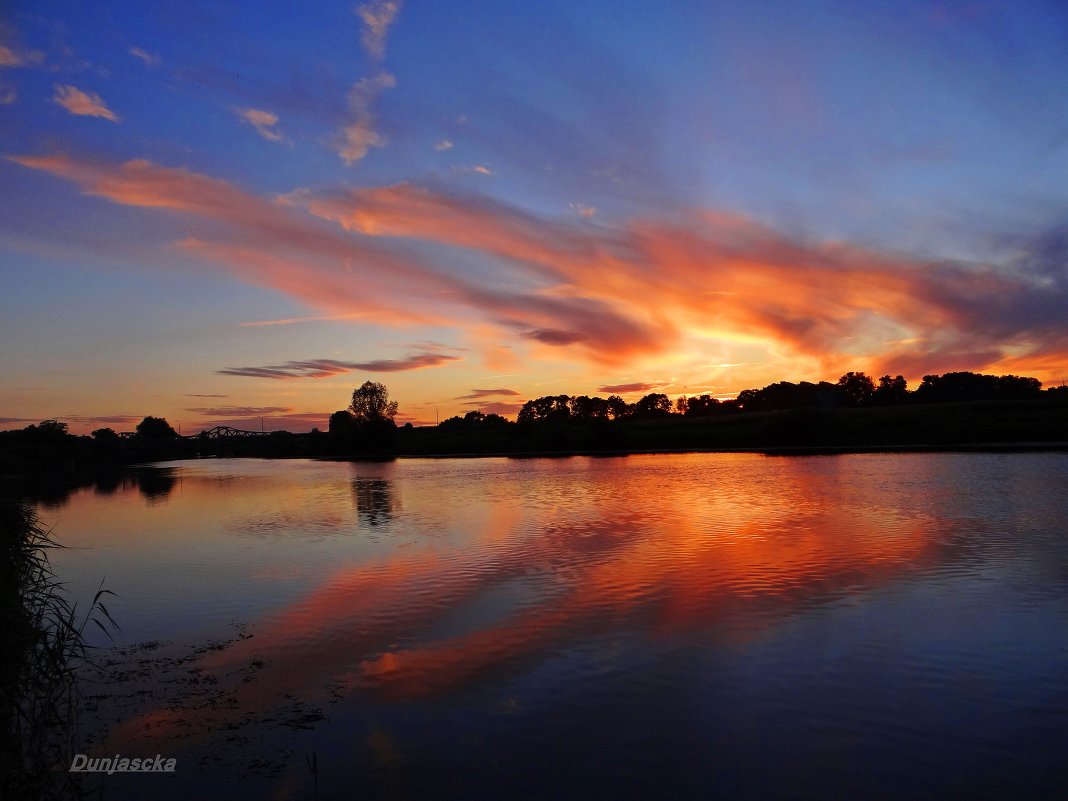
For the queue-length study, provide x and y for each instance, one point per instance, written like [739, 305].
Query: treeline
[853, 390]
[949, 410]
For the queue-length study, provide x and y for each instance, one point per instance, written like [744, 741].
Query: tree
[856, 389]
[617, 407]
[157, 428]
[891, 391]
[585, 408]
[105, 435]
[52, 428]
[655, 404]
[548, 408]
[701, 406]
[371, 404]
[342, 422]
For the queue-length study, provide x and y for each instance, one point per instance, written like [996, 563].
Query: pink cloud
[263, 122]
[83, 104]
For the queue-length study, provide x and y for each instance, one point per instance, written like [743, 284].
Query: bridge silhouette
[227, 432]
[219, 432]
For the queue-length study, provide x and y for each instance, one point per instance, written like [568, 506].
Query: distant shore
[43, 455]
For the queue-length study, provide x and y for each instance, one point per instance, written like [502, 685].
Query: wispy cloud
[582, 210]
[295, 320]
[8, 95]
[150, 59]
[360, 135]
[239, 411]
[210, 395]
[323, 368]
[83, 104]
[377, 17]
[14, 56]
[9, 58]
[263, 121]
[626, 389]
[444, 144]
[481, 169]
[479, 394]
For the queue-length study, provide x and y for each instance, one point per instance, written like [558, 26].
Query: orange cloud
[723, 275]
[607, 293]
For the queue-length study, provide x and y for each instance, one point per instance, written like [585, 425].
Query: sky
[236, 213]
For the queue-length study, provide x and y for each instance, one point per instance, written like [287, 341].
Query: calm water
[694, 626]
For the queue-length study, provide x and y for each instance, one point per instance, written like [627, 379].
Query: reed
[45, 648]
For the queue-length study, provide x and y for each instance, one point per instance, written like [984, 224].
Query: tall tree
[371, 403]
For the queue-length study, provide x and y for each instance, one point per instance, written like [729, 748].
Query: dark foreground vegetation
[954, 410]
[44, 651]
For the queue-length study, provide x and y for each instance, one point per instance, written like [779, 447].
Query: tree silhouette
[701, 406]
[617, 407]
[584, 407]
[342, 422]
[965, 386]
[156, 428]
[891, 391]
[371, 404]
[655, 404]
[856, 389]
[52, 428]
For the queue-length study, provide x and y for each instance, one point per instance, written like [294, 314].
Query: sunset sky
[218, 213]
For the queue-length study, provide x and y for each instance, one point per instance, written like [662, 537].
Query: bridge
[227, 432]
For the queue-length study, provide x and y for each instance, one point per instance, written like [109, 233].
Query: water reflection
[374, 500]
[427, 622]
[155, 484]
[759, 609]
